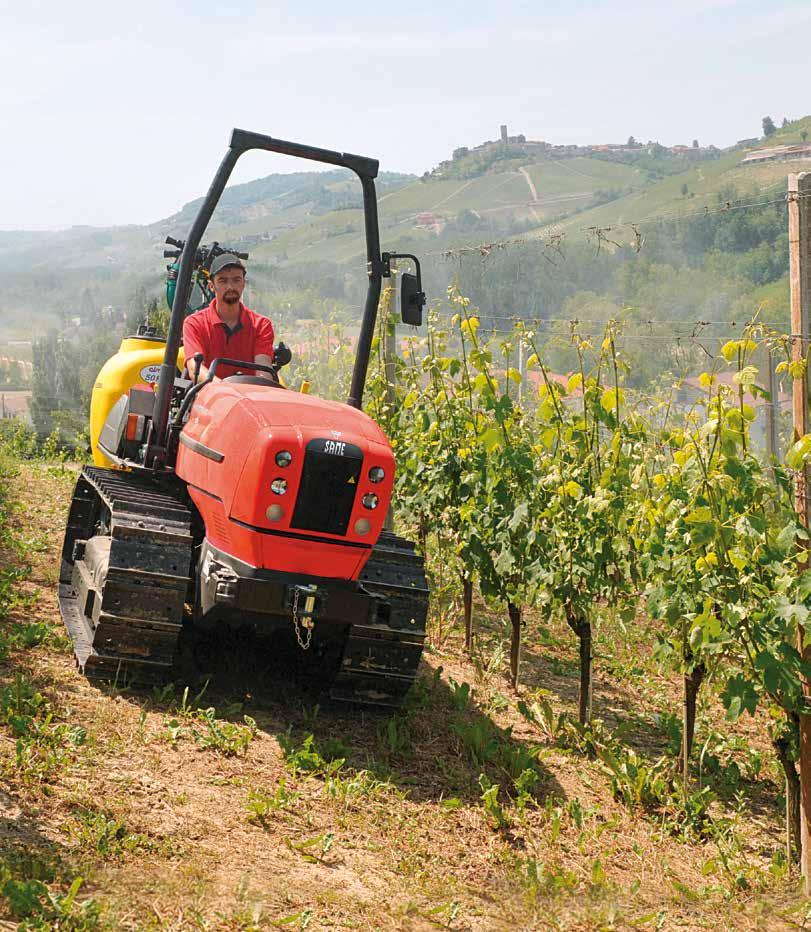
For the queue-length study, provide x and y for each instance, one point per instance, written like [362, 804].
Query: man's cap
[224, 261]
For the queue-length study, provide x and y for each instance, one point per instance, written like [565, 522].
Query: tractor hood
[265, 464]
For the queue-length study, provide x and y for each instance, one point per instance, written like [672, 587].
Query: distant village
[794, 153]
[537, 148]
[549, 150]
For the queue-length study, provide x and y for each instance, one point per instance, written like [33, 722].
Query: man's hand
[202, 375]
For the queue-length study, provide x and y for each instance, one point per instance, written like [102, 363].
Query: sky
[117, 113]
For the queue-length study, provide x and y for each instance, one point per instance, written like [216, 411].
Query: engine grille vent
[329, 482]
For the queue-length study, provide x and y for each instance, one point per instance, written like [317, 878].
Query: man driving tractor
[226, 328]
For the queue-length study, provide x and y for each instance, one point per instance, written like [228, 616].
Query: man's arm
[263, 348]
[193, 344]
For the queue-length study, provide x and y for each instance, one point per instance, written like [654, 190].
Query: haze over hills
[308, 226]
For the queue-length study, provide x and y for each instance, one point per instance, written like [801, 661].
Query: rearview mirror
[411, 299]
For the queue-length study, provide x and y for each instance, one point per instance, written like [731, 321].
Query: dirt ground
[174, 818]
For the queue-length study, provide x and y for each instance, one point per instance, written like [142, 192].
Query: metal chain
[307, 623]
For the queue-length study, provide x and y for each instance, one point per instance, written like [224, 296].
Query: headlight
[362, 526]
[369, 501]
[284, 458]
[377, 474]
[279, 486]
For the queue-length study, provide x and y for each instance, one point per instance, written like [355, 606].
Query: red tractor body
[227, 456]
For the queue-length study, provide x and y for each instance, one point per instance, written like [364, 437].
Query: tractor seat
[252, 380]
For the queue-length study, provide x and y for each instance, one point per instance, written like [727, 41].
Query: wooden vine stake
[799, 236]
[467, 601]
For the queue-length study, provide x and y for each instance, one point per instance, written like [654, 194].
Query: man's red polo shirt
[204, 332]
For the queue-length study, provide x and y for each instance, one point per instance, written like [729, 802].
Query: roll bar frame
[243, 141]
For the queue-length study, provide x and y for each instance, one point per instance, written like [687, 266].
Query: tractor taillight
[135, 427]
[284, 458]
[377, 474]
[369, 501]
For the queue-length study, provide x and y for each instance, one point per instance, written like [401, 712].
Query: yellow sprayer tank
[137, 362]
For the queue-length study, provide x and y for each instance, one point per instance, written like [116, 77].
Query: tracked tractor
[238, 503]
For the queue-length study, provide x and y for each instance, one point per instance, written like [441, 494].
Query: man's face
[229, 283]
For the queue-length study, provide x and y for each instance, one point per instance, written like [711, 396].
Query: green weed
[540, 714]
[306, 758]
[461, 695]
[106, 835]
[634, 781]
[314, 850]
[524, 786]
[300, 921]
[207, 730]
[487, 744]
[348, 787]
[225, 738]
[261, 803]
[542, 881]
[43, 746]
[492, 806]
[42, 909]
[393, 736]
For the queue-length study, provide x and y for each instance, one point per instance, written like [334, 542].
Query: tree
[631, 141]
[684, 189]
[460, 153]
[768, 126]
[695, 144]
[55, 383]
[784, 124]
[804, 135]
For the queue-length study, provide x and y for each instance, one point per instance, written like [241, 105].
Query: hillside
[307, 226]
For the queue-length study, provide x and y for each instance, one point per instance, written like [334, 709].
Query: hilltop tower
[504, 137]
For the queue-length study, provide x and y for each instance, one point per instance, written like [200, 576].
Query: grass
[472, 808]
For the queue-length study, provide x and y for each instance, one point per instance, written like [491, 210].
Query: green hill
[308, 226]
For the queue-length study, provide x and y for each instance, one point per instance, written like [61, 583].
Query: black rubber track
[125, 576]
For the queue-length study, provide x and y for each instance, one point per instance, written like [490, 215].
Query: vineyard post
[520, 369]
[799, 235]
[390, 336]
[772, 409]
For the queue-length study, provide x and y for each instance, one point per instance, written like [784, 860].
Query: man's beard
[230, 297]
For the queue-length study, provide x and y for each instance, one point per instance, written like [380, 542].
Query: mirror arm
[386, 263]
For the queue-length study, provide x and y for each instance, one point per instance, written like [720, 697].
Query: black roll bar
[242, 141]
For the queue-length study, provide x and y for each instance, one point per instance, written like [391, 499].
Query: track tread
[380, 660]
[136, 620]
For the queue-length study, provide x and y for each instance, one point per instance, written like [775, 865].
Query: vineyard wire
[553, 241]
